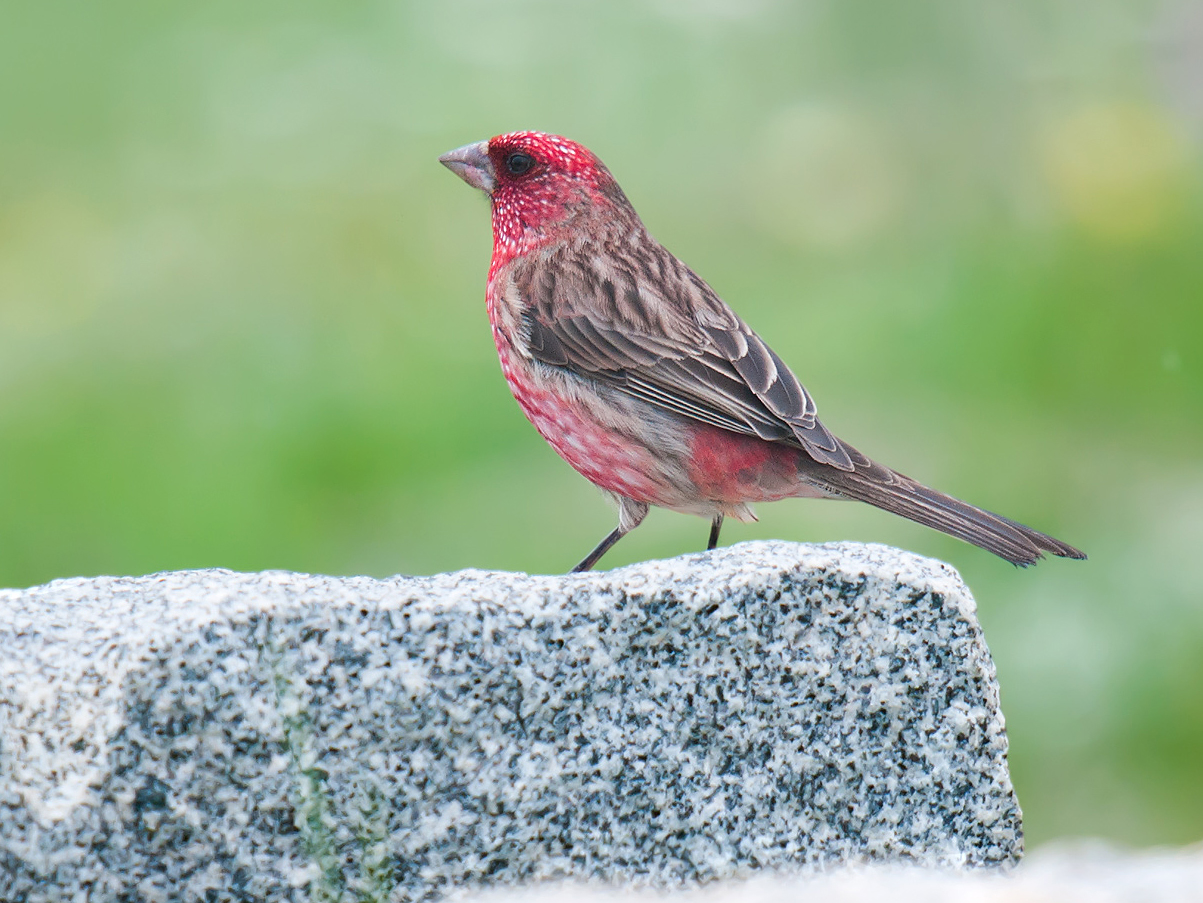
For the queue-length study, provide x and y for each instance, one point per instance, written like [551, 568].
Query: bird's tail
[891, 491]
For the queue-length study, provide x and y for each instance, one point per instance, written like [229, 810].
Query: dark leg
[602, 548]
[630, 516]
[715, 526]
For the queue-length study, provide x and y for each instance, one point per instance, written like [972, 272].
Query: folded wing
[657, 332]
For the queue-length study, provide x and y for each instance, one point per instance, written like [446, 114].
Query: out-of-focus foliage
[241, 315]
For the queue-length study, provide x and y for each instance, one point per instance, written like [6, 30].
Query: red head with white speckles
[540, 185]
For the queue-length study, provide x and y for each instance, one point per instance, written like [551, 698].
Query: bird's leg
[715, 526]
[630, 516]
[602, 548]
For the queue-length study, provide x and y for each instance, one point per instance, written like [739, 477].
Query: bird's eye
[517, 163]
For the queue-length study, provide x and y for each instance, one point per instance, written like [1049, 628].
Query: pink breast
[603, 457]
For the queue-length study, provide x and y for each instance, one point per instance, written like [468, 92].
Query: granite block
[209, 735]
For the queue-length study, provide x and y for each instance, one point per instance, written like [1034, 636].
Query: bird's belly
[598, 455]
[602, 455]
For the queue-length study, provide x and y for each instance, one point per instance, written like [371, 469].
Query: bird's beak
[472, 164]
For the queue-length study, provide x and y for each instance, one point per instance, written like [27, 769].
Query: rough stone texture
[219, 736]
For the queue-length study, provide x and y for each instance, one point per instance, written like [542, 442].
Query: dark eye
[517, 163]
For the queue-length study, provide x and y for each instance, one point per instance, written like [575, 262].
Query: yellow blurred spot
[826, 178]
[1119, 169]
[55, 264]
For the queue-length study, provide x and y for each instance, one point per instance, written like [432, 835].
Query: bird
[643, 379]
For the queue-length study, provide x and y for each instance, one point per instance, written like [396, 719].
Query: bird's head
[541, 186]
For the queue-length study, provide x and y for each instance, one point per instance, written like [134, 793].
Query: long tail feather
[891, 491]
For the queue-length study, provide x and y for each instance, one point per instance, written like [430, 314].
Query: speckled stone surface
[212, 736]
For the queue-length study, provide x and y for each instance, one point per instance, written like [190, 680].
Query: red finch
[649, 385]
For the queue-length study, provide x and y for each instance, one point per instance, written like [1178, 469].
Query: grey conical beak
[472, 164]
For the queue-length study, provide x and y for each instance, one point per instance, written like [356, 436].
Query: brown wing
[634, 317]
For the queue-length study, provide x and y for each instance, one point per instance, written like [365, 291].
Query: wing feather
[670, 341]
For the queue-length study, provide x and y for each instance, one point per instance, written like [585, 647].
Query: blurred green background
[242, 319]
